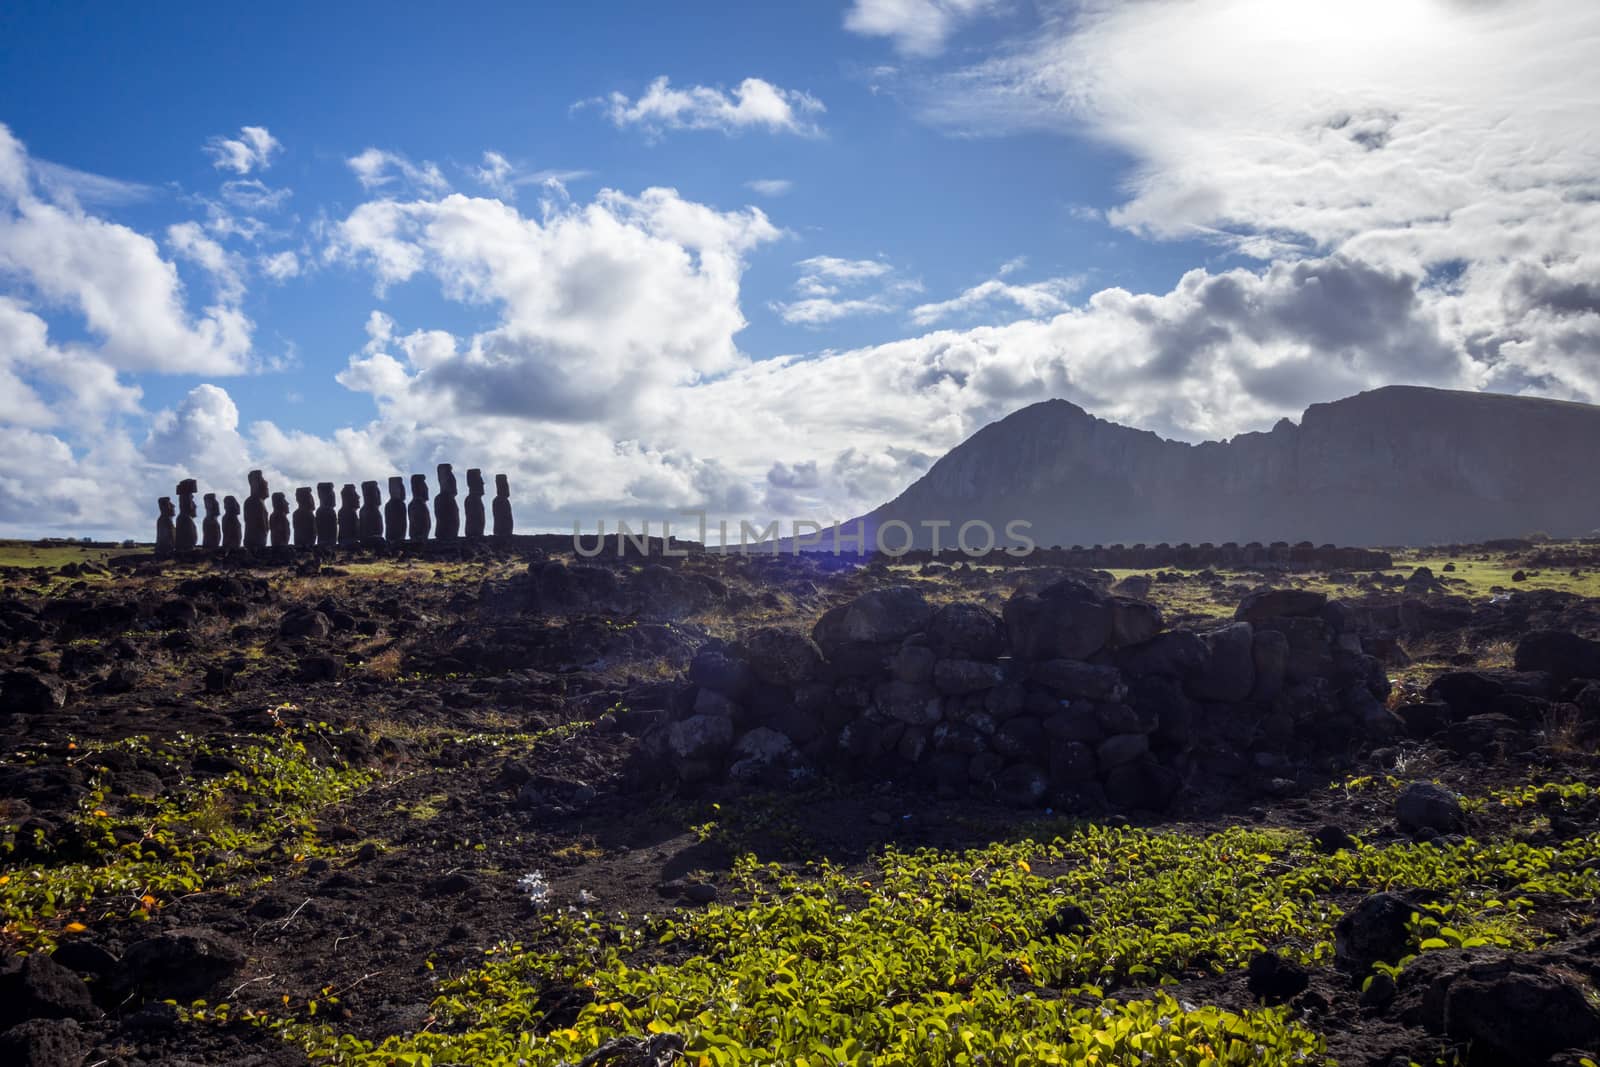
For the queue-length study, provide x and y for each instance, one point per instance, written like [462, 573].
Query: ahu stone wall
[1071, 696]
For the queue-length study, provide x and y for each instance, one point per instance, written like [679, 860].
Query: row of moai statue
[358, 519]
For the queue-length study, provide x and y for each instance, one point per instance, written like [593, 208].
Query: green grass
[32, 554]
[939, 957]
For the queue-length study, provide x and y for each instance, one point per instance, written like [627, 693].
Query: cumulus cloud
[599, 303]
[189, 241]
[381, 171]
[989, 298]
[115, 278]
[252, 194]
[917, 27]
[280, 266]
[753, 104]
[252, 150]
[831, 288]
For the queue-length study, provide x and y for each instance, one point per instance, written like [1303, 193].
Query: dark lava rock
[1079, 681]
[781, 657]
[1274, 979]
[700, 893]
[1021, 785]
[888, 614]
[182, 964]
[1330, 839]
[966, 631]
[1229, 672]
[43, 989]
[714, 669]
[1068, 919]
[1428, 806]
[29, 693]
[1373, 931]
[1141, 784]
[961, 676]
[1508, 1011]
[451, 885]
[1421, 721]
[1067, 620]
[43, 1043]
[304, 622]
[1563, 655]
[1266, 604]
[318, 667]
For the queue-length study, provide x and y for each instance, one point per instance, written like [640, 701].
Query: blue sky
[766, 260]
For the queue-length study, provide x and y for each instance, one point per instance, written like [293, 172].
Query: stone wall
[1280, 555]
[1072, 697]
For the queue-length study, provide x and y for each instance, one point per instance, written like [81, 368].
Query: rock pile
[1071, 696]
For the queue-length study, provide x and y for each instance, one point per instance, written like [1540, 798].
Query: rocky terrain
[475, 804]
[1395, 466]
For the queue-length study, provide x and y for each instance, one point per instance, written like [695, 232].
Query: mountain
[1393, 466]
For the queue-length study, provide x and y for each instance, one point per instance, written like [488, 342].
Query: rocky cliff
[1399, 465]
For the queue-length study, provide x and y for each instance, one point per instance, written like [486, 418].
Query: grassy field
[36, 554]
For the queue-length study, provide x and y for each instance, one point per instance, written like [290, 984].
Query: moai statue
[327, 516]
[305, 518]
[166, 533]
[186, 535]
[211, 525]
[502, 506]
[278, 521]
[447, 516]
[232, 530]
[417, 511]
[371, 513]
[394, 512]
[349, 515]
[255, 512]
[472, 508]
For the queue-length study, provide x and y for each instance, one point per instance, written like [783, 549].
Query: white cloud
[280, 266]
[252, 150]
[113, 277]
[770, 186]
[495, 174]
[1033, 299]
[189, 241]
[598, 304]
[753, 104]
[831, 288]
[503, 178]
[917, 27]
[378, 170]
[252, 194]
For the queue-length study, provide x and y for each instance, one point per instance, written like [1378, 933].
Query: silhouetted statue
[278, 521]
[349, 515]
[255, 512]
[447, 516]
[417, 511]
[305, 518]
[472, 507]
[186, 535]
[211, 524]
[232, 531]
[394, 512]
[166, 532]
[502, 506]
[371, 512]
[327, 516]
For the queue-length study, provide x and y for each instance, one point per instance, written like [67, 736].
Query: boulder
[44, 1043]
[29, 693]
[1021, 785]
[966, 631]
[1175, 654]
[1118, 749]
[1264, 604]
[1419, 618]
[1142, 784]
[700, 737]
[1431, 807]
[1067, 620]
[1078, 681]
[915, 705]
[41, 988]
[1517, 1011]
[914, 664]
[888, 614]
[961, 676]
[715, 669]
[1274, 979]
[757, 752]
[1374, 931]
[304, 622]
[1133, 621]
[1473, 692]
[1228, 673]
[1561, 654]
[1020, 738]
[182, 964]
[1269, 657]
[1076, 722]
[1072, 763]
[781, 657]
